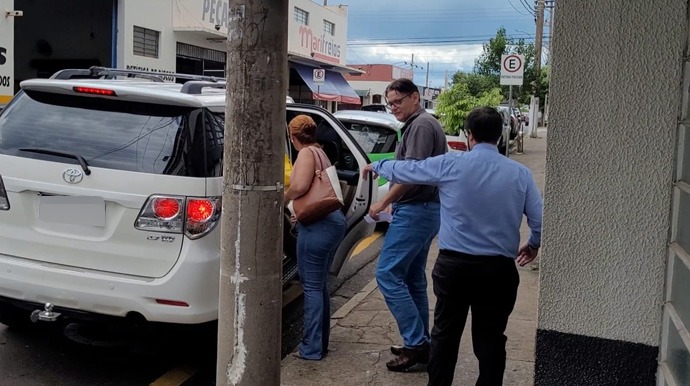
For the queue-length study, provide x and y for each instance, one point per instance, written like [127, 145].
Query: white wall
[194, 22]
[615, 88]
[151, 14]
[305, 40]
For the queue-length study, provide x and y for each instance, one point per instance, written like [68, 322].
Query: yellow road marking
[364, 244]
[176, 376]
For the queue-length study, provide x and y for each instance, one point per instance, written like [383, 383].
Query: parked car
[110, 197]
[377, 107]
[510, 122]
[377, 134]
[455, 142]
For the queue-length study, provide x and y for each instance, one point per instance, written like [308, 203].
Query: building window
[301, 16]
[328, 28]
[146, 42]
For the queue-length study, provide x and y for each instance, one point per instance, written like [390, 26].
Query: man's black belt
[463, 255]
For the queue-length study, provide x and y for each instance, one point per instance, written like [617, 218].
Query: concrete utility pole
[250, 306]
[426, 89]
[537, 64]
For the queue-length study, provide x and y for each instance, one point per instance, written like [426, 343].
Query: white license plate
[73, 210]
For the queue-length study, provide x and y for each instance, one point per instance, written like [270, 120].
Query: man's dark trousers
[487, 285]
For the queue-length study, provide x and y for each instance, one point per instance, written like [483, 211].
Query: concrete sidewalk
[363, 329]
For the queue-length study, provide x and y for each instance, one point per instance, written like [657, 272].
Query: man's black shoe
[396, 350]
[409, 359]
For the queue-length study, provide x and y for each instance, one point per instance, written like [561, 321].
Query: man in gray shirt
[416, 219]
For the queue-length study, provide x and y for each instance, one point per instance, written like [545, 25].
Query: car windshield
[115, 135]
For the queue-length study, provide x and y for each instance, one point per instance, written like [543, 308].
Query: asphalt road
[158, 355]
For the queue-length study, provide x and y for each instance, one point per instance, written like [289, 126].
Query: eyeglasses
[397, 103]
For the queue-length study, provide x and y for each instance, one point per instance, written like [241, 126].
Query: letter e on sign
[512, 69]
[319, 75]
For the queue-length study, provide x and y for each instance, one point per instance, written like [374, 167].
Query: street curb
[353, 302]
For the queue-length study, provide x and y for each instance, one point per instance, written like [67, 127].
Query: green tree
[477, 84]
[456, 102]
[489, 65]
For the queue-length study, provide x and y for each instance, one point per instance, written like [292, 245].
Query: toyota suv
[110, 190]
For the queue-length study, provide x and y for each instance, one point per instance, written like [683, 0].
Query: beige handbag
[324, 195]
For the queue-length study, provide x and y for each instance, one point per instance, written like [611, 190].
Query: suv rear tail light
[4, 201]
[161, 214]
[165, 208]
[203, 214]
[457, 145]
[197, 216]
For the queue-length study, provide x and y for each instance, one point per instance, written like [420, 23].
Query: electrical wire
[516, 10]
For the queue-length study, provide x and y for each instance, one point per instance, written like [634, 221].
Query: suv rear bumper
[26, 283]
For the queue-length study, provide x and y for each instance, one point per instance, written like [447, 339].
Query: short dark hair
[403, 86]
[485, 124]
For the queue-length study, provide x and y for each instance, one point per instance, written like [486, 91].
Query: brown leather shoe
[409, 359]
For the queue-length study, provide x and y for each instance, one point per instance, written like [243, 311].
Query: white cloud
[442, 58]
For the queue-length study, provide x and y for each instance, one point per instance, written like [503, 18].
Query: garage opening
[54, 35]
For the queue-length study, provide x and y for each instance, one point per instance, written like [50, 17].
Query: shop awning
[334, 88]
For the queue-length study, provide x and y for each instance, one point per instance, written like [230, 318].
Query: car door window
[372, 138]
[326, 135]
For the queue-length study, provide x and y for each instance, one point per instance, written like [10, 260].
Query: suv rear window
[137, 137]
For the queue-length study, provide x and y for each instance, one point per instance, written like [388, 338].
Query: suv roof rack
[195, 86]
[96, 72]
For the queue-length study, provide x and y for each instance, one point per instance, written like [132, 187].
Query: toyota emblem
[73, 176]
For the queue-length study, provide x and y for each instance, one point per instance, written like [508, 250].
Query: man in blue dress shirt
[483, 197]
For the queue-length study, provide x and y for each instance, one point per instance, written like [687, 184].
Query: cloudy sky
[446, 33]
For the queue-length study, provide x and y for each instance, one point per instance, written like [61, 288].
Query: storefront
[317, 39]
[192, 39]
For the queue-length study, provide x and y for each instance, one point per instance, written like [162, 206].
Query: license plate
[73, 210]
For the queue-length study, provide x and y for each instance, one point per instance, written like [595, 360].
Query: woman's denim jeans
[316, 246]
[401, 274]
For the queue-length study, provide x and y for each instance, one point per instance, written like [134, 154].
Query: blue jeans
[316, 246]
[401, 272]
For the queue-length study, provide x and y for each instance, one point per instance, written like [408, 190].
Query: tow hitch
[46, 315]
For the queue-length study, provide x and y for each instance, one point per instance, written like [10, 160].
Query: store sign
[6, 57]
[215, 12]
[321, 47]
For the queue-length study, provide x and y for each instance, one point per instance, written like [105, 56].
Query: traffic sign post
[512, 74]
[318, 77]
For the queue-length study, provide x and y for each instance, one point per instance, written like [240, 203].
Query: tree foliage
[457, 101]
[481, 87]
[487, 69]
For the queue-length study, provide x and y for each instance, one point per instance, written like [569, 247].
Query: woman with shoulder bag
[317, 239]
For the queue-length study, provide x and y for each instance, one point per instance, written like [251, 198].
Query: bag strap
[317, 156]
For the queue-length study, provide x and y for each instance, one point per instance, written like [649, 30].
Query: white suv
[110, 194]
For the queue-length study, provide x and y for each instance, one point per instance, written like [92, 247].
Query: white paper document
[383, 216]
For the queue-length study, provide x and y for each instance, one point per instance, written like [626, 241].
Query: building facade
[166, 36]
[371, 84]
[614, 305]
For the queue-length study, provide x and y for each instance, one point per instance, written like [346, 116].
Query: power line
[527, 7]
[421, 42]
[516, 10]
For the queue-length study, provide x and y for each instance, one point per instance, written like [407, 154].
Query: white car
[378, 134]
[110, 196]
